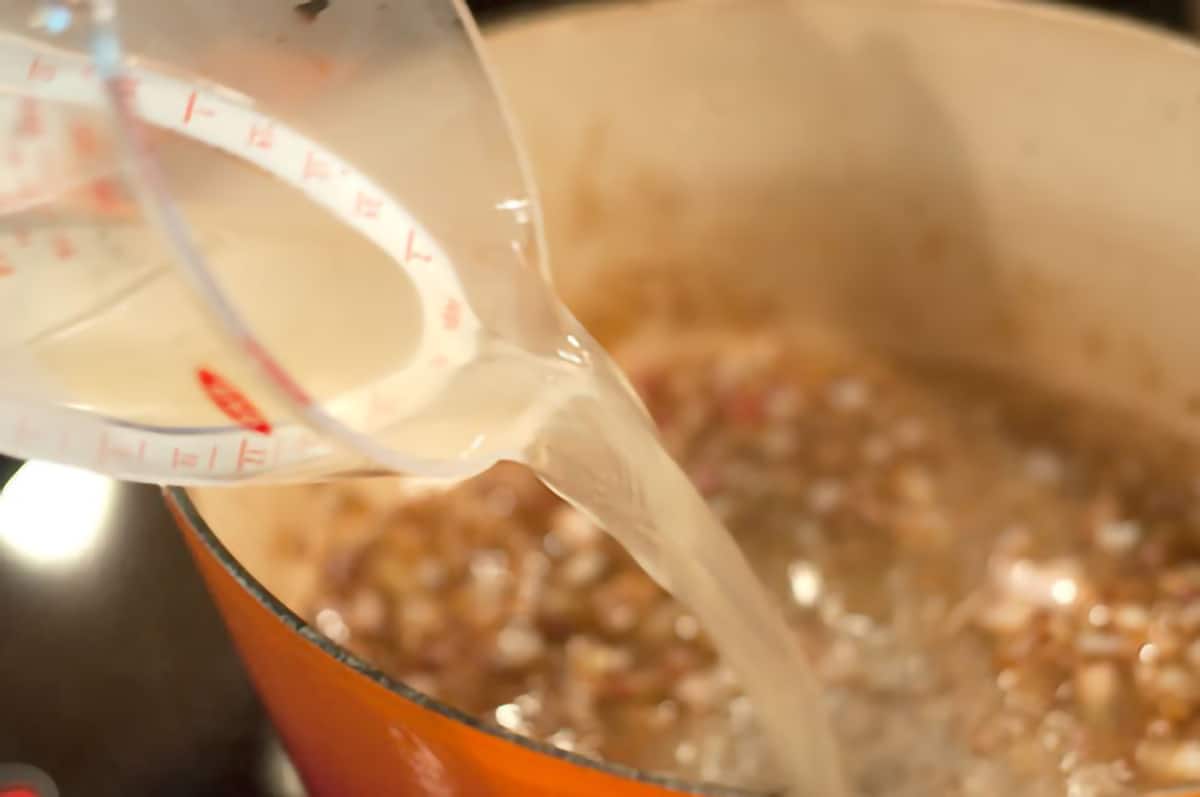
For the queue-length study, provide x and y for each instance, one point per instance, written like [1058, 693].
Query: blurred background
[116, 677]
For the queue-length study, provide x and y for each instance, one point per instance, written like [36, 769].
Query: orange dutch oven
[998, 183]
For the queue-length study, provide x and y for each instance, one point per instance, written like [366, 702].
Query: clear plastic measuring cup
[262, 241]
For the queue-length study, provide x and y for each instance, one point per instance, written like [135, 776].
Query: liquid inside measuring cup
[113, 364]
[122, 373]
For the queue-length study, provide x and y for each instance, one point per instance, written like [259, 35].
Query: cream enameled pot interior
[993, 182]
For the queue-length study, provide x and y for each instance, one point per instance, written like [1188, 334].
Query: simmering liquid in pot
[1000, 587]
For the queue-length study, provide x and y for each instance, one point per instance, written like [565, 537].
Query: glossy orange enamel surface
[351, 736]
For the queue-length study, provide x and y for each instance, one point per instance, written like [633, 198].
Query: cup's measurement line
[190, 109]
[262, 137]
[410, 250]
[182, 459]
[314, 168]
[152, 455]
[249, 455]
[108, 452]
[148, 455]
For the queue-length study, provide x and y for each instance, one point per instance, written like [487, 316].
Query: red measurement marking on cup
[315, 168]
[367, 206]
[6, 269]
[232, 401]
[261, 136]
[410, 251]
[108, 451]
[451, 315]
[190, 460]
[183, 459]
[250, 456]
[192, 109]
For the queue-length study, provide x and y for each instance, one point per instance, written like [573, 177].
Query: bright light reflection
[805, 581]
[52, 514]
[570, 356]
[279, 773]
[509, 716]
[1064, 591]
